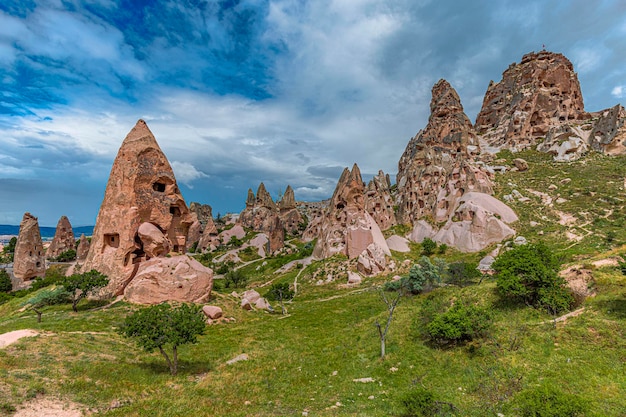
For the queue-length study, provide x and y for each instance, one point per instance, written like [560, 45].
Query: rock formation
[314, 214]
[203, 229]
[289, 214]
[29, 259]
[83, 248]
[437, 166]
[379, 202]
[143, 214]
[262, 215]
[348, 229]
[539, 100]
[63, 240]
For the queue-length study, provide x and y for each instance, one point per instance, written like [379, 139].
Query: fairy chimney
[63, 240]
[29, 258]
[83, 248]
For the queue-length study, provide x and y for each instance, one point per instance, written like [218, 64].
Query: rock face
[540, 98]
[203, 229]
[289, 214]
[314, 214]
[379, 202]
[262, 215]
[29, 259]
[63, 239]
[143, 215]
[347, 228]
[540, 92]
[437, 166]
[179, 278]
[83, 248]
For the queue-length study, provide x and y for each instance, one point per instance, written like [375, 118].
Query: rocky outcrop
[203, 229]
[179, 278]
[29, 258]
[539, 93]
[289, 214]
[378, 201]
[347, 228]
[143, 215]
[83, 248]
[313, 212]
[438, 165]
[63, 240]
[539, 101]
[262, 215]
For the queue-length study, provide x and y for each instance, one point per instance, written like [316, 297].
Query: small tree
[391, 304]
[280, 293]
[235, 279]
[461, 323]
[80, 286]
[45, 298]
[67, 256]
[5, 281]
[161, 326]
[422, 275]
[463, 273]
[529, 274]
[428, 246]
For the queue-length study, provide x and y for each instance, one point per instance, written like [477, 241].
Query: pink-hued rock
[398, 243]
[347, 227]
[179, 278]
[289, 215]
[212, 312]
[29, 258]
[372, 260]
[262, 304]
[251, 295]
[421, 230]
[63, 240]
[245, 304]
[141, 189]
[83, 248]
[379, 202]
[354, 278]
[439, 164]
[154, 242]
[263, 215]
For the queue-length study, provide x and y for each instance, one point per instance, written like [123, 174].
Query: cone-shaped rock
[29, 257]
[263, 198]
[292, 219]
[251, 200]
[379, 202]
[141, 193]
[437, 167]
[262, 215]
[63, 239]
[83, 248]
[347, 228]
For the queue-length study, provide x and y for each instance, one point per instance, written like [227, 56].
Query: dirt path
[48, 407]
[9, 338]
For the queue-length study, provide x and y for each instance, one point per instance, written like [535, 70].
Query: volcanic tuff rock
[314, 214]
[262, 215]
[289, 214]
[203, 229]
[347, 228]
[541, 98]
[379, 202]
[143, 213]
[438, 164]
[29, 258]
[83, 248]
[63, 239]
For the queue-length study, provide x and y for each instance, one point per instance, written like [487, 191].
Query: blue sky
[238, 92]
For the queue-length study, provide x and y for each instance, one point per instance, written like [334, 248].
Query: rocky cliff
[29, 258]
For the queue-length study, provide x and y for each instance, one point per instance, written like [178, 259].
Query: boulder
[421, 230]
[212, 312]
[520, 164]
[153, 241]
[29, 259]
[354, 278]
[262, 304]
[63, 240]
[179, 278]
[398, 244]
[251, 295]
[372, 260]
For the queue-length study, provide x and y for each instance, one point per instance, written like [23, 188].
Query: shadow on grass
[185, 367]
[614, 307]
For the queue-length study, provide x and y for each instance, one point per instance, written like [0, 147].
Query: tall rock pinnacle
[29, 259]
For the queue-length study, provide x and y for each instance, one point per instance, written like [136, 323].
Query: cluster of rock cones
[444, 190]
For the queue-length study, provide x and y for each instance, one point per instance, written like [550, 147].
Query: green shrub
[235, 279]
[421, 402]
[428, 246]
[67, 256]
[462, 273]
[5, 281]
[279, 292]
[622, 265]
[425, 274]
[54, 275]
[4, 297]
[548, 401]
[80, 286]
[529, 274]
[461, 323]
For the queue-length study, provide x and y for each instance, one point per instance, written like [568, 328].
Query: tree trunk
[39, 313]
[74, 305]
[175, 361]
[382, 348]
[167, 359]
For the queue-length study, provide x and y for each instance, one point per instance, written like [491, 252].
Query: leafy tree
[422, 275]
[80, 286]
[462, 273]
[8, 250]
[529, 274]
[461, 323]
[428, 246]
[5, 281]
[235, 279]
[163, 326]
[66, 256]
[45, 298]
[280, 292]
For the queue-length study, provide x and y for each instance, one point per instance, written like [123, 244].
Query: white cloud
[619, 91]
[186, 173]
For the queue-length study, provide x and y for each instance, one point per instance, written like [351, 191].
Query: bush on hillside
[421, 402]
[428, 246]
[462, 273]
[424, 275]
[67, 256]
[529, 274]
[5, 282]
[548, 401]
[460, 323]
[235, 279]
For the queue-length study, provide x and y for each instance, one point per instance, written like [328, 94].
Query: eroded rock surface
[379, 202]
[262, 215]
[63, 240]
[29, 258]
[142, 194]
[83, 248]
[289, 214]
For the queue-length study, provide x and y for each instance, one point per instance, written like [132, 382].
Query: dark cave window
[158, 186]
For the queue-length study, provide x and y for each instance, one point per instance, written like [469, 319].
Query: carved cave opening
[158, 186]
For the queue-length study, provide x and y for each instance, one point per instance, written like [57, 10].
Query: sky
[288, 92]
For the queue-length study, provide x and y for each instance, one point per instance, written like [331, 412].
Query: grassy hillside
[310, 361]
